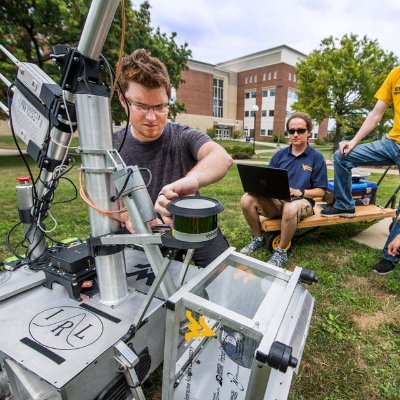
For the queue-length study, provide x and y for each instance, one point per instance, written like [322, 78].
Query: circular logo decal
[66, 328]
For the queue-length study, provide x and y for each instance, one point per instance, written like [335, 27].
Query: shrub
[240, 149]
[240, 155]
[323, 141]
[236, 134]
[282, 139]
[211, 132]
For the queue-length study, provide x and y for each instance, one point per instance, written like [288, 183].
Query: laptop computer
[264, 181]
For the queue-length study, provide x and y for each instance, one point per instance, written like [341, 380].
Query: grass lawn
[353, 346]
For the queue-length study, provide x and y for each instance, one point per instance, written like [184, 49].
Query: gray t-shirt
[169, 158]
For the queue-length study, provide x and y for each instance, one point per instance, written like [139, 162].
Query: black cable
[8, 244]
[75, 195]
[128, 107]
[40, 207]
[115, 198]
[125, 100]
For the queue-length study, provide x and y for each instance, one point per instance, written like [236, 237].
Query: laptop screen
[264, 181]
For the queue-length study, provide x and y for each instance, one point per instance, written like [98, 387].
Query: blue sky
[219, 30]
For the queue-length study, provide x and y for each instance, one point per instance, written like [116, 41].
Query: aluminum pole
[97, 25]
[95, 127]
[95, 124]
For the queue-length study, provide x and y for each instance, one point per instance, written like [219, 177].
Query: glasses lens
[161, 109]
[300, 131]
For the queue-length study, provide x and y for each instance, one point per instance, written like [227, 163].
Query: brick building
[224, 95]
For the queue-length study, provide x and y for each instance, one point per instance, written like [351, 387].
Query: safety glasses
[159, 109]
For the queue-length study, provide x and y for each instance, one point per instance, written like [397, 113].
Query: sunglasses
[300, 131]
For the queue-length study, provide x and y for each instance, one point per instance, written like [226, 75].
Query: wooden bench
[363, 213]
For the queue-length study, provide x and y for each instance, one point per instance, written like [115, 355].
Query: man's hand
[346, 147]
[394, 245]
[187, 186]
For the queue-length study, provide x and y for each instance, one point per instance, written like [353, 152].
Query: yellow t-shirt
[389, 93]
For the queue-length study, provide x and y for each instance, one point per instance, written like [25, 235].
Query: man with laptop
[307, 179]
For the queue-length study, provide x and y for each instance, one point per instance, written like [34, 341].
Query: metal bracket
[127, 359]
[112, 159]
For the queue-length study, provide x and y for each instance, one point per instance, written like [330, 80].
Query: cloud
[219, 31]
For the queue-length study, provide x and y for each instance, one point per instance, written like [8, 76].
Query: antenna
[9, 55]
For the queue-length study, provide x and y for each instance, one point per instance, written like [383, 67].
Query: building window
[272, 92]
[269, 132]
[253, 95]
[251, 79]
[264, 113]
[252, 113]
[246, 113]
[255, 78]
[218, 100]
[275, 74]
[269, 76]
[264, 76]
[247, 95]
[294, 77]
[245, 80]
[265, 93]
[262, 132]
[290, 76]
[271, 113]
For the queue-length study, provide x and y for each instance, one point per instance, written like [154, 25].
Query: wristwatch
[302, 191]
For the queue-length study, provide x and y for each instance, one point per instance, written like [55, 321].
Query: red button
[23, 179]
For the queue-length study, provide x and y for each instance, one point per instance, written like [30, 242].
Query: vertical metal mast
[94, 119]
[95, 127]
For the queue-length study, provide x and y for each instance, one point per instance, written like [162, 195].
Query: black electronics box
[73, 259]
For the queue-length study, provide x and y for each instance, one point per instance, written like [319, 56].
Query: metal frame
[283, 315]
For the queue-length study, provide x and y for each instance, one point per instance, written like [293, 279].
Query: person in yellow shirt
[380, 153]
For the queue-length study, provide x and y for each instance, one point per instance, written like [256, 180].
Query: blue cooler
[363, 192]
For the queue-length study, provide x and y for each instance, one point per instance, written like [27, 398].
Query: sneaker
[384, 267]
[279, 257]
[255, 244]
[331, 211]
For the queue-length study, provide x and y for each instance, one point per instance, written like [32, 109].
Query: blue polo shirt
[306, 171]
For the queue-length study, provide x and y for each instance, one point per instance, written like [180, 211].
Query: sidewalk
[376, 235]
[329, 164]
[14, 152]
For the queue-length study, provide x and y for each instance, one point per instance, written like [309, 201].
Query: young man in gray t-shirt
[181, 159]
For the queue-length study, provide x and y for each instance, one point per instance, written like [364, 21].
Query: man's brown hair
[144, 69]
[304, 116]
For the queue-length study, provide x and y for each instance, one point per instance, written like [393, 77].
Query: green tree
[29, 29]
[339, 80]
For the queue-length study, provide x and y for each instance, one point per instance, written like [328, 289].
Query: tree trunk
[337, 137]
